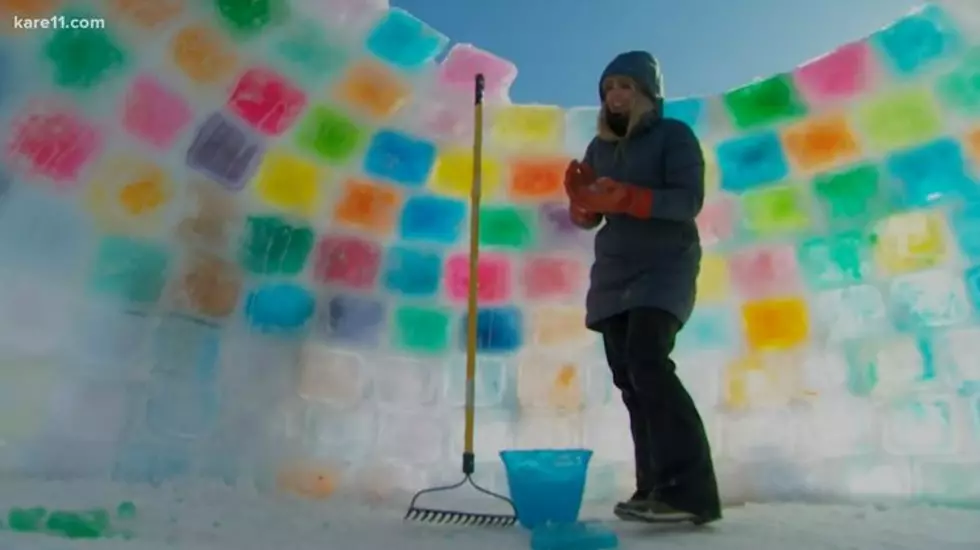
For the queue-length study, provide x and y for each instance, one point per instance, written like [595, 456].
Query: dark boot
[624, 506]
[652, 510]
[694, 491]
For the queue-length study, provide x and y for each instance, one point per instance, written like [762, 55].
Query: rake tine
[448, 517]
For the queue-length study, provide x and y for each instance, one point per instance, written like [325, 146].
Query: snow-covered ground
[201, 518]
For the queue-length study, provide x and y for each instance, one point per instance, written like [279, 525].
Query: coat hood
[642, 68]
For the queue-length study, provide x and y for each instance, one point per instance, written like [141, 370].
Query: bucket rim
[569, 450]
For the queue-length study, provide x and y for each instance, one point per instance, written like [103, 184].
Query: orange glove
[582, 217]
[608, 196]
[579, 176]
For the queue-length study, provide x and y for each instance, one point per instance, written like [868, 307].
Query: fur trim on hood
[641, 108]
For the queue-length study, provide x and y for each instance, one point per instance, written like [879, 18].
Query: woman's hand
[579, 176]
[607, 196]
[582, 217]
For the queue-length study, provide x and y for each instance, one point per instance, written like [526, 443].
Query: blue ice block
[353, 320]
[573, 536]
[433, 220]
[932, 173]
[973, 286]
[966, 227]
[400, 158]
[689, 110]
[751, 160]
[404, 40]
[916, 42]
[711, 328]
[498, 330]
[279, 307]
[412, 272]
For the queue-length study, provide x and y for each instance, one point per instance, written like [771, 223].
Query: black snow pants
[672, 454]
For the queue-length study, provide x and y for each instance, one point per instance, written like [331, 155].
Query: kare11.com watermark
[57, 22]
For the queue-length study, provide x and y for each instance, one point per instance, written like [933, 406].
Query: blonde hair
[641, 106]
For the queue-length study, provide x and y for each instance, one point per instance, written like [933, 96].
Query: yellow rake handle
[471, 304]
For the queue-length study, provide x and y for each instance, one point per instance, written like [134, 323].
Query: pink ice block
[53, 142]
[445, 118]
[153, 113]
[547, 278]
[716, 223]
[266, 100]
[837, 76]
[765, 271]
[348, 262]
[493, 278]
[465, 61]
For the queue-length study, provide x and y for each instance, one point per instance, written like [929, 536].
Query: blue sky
[705, 46]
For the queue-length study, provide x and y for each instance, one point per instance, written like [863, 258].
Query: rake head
[454, 517]
[458, 517]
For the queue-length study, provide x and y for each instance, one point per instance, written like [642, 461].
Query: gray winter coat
[647, 262]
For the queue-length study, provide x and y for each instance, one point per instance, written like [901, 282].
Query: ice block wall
[232, 247]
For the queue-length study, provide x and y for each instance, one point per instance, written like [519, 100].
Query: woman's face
[619, 91]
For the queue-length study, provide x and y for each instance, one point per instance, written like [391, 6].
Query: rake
[448, 516]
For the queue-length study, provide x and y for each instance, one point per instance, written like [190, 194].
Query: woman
[644, 175]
